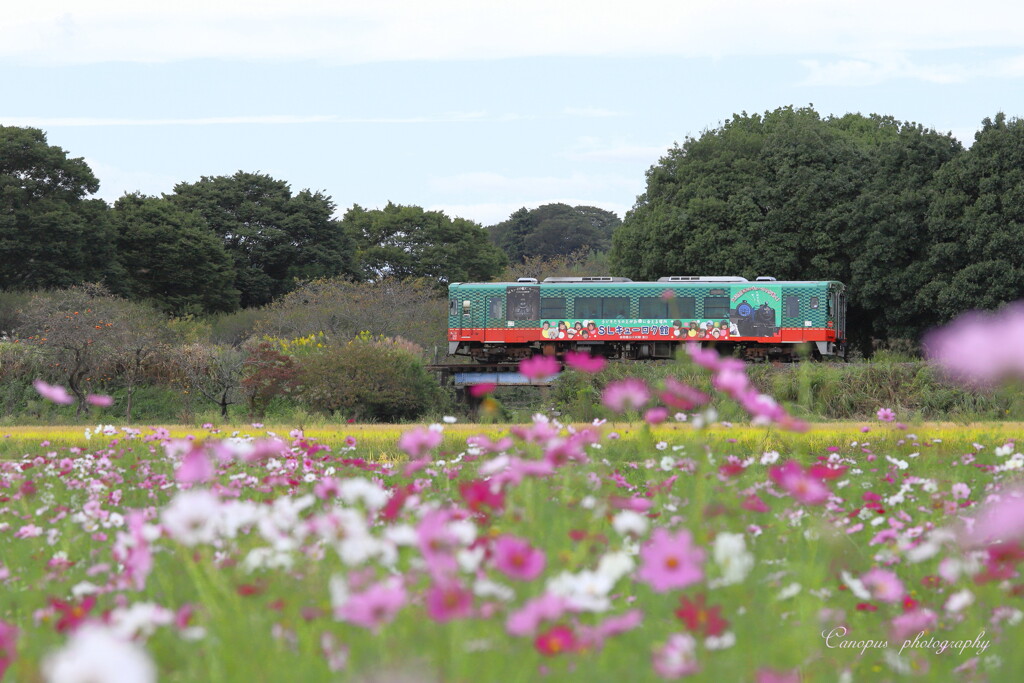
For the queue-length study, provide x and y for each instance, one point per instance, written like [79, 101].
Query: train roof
[671, 280]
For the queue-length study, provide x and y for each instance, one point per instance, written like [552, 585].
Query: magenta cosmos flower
[539, 367]
[517, 559]
[886, 414]
[448, 599]
[52, 392]
[965, 350]
[625, 395]
[417, 442]
[671, 561]
[584, 362]
[375, 606]
[799, 483]
[883, 584]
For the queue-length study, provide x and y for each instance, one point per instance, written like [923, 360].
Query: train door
[468, 317]
[494, 319]
[522, 305]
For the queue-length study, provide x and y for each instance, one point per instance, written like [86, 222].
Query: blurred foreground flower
[53, 392]
[539, 367]
[967, 349]
[94, 653]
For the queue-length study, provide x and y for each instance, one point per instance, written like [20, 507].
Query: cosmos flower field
[656, 548]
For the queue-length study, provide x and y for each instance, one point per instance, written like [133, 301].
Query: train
[617, 318]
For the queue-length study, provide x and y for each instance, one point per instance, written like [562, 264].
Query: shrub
[375, 378]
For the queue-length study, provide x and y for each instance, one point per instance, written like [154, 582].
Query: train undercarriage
[649, 350]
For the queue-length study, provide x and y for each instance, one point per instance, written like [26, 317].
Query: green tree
[407, 241]
[273, 237]
[51, 234]
[171, 258]
[795, 196]
[976, 225]
[554, 230]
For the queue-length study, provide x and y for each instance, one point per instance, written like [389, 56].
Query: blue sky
[476, 108]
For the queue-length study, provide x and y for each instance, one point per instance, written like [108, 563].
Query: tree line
[918, 227]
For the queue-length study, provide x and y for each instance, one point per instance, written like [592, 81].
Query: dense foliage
[919, 228]
[554, 230]
[408, 242]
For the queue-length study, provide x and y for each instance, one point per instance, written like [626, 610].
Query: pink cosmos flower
[1000, 521]
[482, 389]
[528, 618]
[775, 676]
[517, 559]
[626, 394]
[8, 646]
[556, 640]
[965, 350]
[800, 484]
[911, 623]
[375, 606]
[99, 400]
[671, 561]
[539, 367]
[883, 584]
[419, 441]
[54, 393]
[448, 599]
[886, 414]
[656, 416]
[706, 358]
[584, 362]
[682, 396]
[677, 657]
[437, 542]
[195, 467]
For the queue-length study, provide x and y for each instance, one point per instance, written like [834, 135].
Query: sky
[476, 108]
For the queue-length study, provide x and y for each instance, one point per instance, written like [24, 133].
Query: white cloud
[592, 149]
[876, 69]
[356, 31]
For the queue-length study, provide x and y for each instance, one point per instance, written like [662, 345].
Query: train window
[453, 307]
[615, 307]
[606, 307]
[552, 307]
[792, 306]
[687, 307]
[494, 308]
[814, 302]
[653, 307]
[716, 307]
[588, 307]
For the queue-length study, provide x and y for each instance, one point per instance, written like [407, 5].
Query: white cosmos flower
[731, 555]
[616, 565]
[191, 517]
[586, 591]
[94, 654]
[856, 586]
[141, 618]
[359, 490]
[629, 522]
[959, 600]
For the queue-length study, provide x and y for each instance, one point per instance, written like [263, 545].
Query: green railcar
[619, 318]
